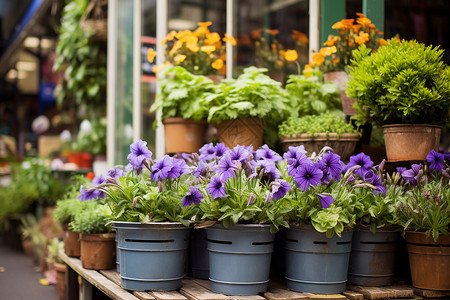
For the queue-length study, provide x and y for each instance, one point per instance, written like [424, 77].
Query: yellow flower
[327, 51]
[361, 38]
[193, 47]
[308, 70]
[291, 55]
[175, 47]
[201, 31]
[208, 49]
[217, 64]
[190, 39]
[343, 24]
[179, 58]
[151, 55]
[300, 36]
[279, 63]
[318, 59]
[331, 41]
[170, 36]
[181, 35]
[382, 42]
[230, 39]
[212, 38]
[204, 24]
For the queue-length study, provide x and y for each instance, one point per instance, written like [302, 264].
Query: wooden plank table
[81, 282]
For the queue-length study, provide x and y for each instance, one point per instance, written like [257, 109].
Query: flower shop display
[98, 249]
[150, 212]
[183, 115]
[201, 51]
[424, 214]
[336, 57]
[316, 132]
[241, 106]
[403, 87]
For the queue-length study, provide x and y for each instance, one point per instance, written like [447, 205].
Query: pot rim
[410, 125]
[175, 120]
[124, 224]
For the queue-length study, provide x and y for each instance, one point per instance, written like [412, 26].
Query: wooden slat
[108, 287]
[373, 293]
[352, 295]
[114, 276]
[325, 297]
[252, 297]
[432, 294]
[202, 282]
[168, 296]
[283, 294]
[194, 291]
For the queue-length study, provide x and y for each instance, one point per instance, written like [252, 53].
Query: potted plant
[240, 188]
[91, 138]
[403, 87]
[336, 57]
[183, 115]
[318, 131]
[98, 248]
[240, 107]
[424, 215]
[151, 217]
[56, 264]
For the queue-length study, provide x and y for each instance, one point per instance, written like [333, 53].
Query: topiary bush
[404, 82]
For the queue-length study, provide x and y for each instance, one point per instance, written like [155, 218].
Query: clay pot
[98, 251]
[410, 141]
[27, 246]
[429, 261]
[61, 270]
[341, 79]
[72, 245]
[243, 132]
[183, 135]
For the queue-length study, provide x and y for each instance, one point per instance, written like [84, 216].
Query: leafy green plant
[93, 218]
[326, 123]
[66, 209]
[92, 139]
[311, 95]
[252, 95]
[82, 61]
[402, 83]
[53, 247]
[31, 229]
[181, 94]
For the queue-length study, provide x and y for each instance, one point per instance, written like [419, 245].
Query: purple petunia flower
[88, 194]
[332, 163]
[307, 175]
[200, 170]
[160, 170]
[240, 153]
[270, 170]
[299, 160]
[207, 152]
[436, 160]
[179, 167]
[139, 153]
[375, 180]
[412, 175]
[400, 170]
[227, 167]
[194, 196]
[264, 152]
[292, 152]
[216, 188]
[280, 189]
[325, 200]
[220, 149]
[362, 160]
[116, 173]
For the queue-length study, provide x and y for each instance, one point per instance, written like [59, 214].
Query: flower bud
[250, 200]
[160, 187]
[135, 201]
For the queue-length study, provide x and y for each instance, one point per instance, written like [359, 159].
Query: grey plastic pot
[314, 263]
[152, 256]
[239, 258]
[372, 257]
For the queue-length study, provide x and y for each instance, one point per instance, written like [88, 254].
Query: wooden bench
[82, 281]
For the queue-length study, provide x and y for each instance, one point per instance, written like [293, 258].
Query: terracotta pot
[429, 261]
[27, 246]
[183, 135]
[410, 141]
[98, 251]
[341, 79]
[343, 145]
[244, 132]
[72, 245]
[61, 270]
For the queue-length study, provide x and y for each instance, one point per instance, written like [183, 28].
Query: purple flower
[270, 170]
[207, 152]
[264, 152]
[179, 167]
[216, 188]
[299, 160]
[436, 160]
[308, 175]
[116, 173]
[362, 160]
[160, 170]
[227, 167]
[139, 153]
[200, 170]
[220, 149]
[280, 189]
[375, 180]
[325, 200]
[240, 153]
[194, 196]
[268, 196]
[412, 175]
[331, 162]
[89, 194]
[292, 153]
[400, 170]
[250, 200]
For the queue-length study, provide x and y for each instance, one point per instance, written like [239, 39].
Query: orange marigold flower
[212, 38]
[336, 60]
[208, 49]
[318, 59]
[343, 24]
[272, 31]
[274, 48]
[90, 175]
[361, 15]
[204, 24]
[364, 21]
[331, 41]
[299, 36]
[327, 51]
[256, 34]
[356, 28]
[230, 39]
[371, 25]
[362, 38]
[382, 42]
[179, 58]
[291, 55]
[217, 64]
[151, 55]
